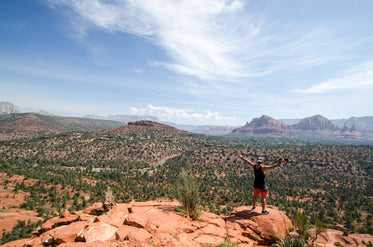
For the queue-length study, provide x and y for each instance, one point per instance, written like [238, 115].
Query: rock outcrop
[264, 125]
[315, 123]
[8, 108]
[333, 237]
[158, 224]
[350, 133]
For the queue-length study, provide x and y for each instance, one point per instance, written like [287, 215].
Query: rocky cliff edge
[158, 224]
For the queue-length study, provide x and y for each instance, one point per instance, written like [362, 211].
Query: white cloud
[359, 77]
[186, 116]
[212, 39]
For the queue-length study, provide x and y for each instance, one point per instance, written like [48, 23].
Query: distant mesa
[264, 125]
[350, 133]
[138, 126]
[8, 108]
[316, 122]
[124, 118]
[45, 113]
[309, 127]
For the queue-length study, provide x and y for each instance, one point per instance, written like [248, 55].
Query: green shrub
[187, 192]
[289, 241]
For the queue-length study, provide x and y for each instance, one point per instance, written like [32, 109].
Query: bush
[290, 242]
[20, 231]
[187, 192]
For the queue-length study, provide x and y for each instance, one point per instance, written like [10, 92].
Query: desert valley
[58, 169]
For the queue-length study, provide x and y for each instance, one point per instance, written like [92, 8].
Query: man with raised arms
[260, 187]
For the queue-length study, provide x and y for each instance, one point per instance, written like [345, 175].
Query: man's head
[259, 161]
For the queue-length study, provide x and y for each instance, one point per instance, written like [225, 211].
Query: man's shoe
[253, 208]
[265, 212]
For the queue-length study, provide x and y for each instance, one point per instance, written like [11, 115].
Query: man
[260, 188]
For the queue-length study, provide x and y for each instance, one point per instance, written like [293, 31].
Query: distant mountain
[124, 118]
[8, 108]
[350, 133]
[315, 126]
[212, 130]
[363, 124]
[144, 126]
[45, 113]
[316, 122]
[26, 124]
[264, 125]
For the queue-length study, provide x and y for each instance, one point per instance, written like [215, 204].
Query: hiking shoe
[265, 212]
[253, 208]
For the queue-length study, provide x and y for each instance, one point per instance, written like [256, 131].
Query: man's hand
[281, 160]
[240, 156]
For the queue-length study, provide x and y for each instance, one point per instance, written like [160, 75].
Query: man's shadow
[238, 216]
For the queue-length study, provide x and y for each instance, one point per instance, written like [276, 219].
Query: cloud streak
[210, 40]
[181, 115]
[359, 77]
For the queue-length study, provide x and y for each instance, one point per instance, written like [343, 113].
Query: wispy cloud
[181, 115]
[211, 40]
[10, 26]
[359, 77]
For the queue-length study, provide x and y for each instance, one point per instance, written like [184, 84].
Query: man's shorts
[263, 194]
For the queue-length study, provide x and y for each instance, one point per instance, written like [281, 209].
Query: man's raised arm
[275, 165]
[246, 160]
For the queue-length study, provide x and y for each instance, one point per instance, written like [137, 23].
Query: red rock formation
[332, 237]
[157, 224]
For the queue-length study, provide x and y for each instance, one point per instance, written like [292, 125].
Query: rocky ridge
[156, 223]
[312, 126]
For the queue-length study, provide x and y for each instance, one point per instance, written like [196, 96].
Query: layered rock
[158, 224]
[350, 133]
[264, 125]
[315, 123]
[333, 237]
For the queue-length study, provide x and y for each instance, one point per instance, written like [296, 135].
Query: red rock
[132, 233]
[95, 209]
[158, 224]
[329, 237]
[65, 214]
[87, 217]
[165, 239]
[17, 243]
[184, 239]
[98, 231]
[136, 220]
[233, 229]
[57, 221]
[267, 227]
[213, 219]
[208, 240]
[67, 233]
[118, 214]
[214, 230]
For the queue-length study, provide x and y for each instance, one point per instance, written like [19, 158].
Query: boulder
[132, 234]
[58, 221]
[98, 231]
[267, 228]
[65, 214]
[67, 233]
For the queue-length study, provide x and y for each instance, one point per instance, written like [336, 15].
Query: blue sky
[188, 62]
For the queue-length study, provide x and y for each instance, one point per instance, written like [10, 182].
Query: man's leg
[254, 201]
[264, 195]
[263, 204]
